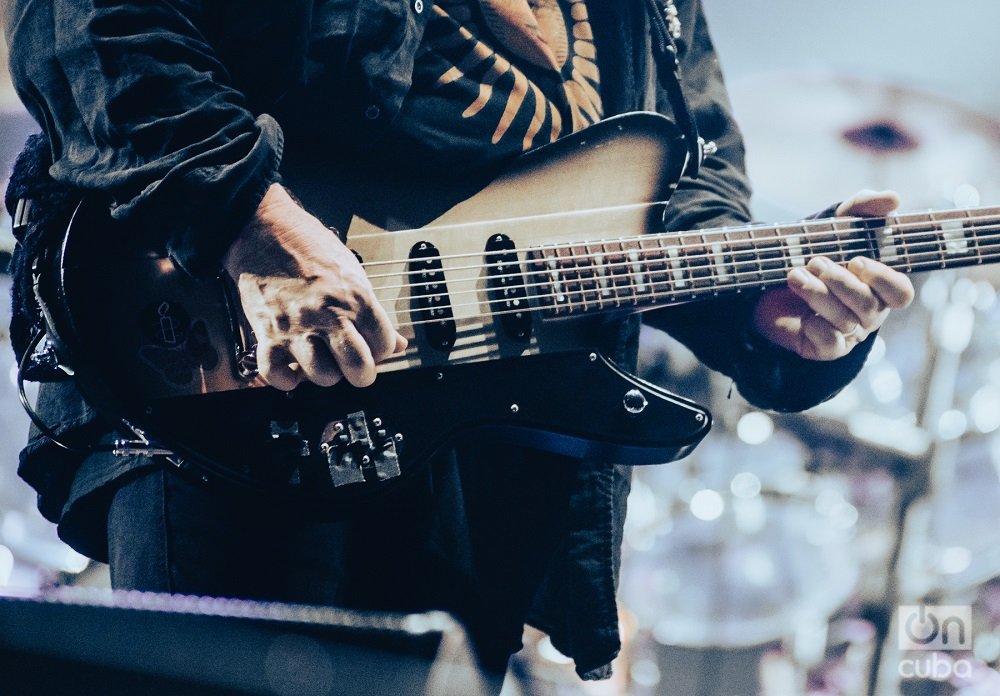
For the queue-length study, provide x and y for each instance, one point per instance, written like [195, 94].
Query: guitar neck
[662, 269]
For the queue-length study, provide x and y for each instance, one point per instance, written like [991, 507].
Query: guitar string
[904, 241]
[573, 274]
[644, 258]
[723, 232]
[833, 226]
[574, 284]
[968, 214]
[842, 247]
[638, 239]
[636, 300]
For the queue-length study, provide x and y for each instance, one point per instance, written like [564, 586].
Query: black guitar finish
[286, 442]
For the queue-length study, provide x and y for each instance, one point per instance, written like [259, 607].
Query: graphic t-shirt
[499, 77]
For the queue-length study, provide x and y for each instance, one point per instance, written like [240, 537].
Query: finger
[821, 340]
[274, 363]
[851, 292]
[868, 203]
[377, 330]
[820, 300]
[353, 355]
[401, 344]
[315, 360]
[893, 288]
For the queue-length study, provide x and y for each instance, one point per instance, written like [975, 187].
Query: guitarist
[189, 116]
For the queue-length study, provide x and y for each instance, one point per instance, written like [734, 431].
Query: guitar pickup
[353, 447]
[507, 289]
[431, 305]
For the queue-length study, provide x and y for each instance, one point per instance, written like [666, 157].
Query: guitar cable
[41, 425]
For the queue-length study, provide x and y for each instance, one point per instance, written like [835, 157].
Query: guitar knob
[634, 402]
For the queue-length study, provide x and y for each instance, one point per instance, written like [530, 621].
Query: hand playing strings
[827, 309]
[308, 300]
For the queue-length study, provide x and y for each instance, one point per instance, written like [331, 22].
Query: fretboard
[661, 269]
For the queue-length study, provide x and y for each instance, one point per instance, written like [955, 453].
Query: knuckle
[906, 294]
[869, 304]
[830, 350]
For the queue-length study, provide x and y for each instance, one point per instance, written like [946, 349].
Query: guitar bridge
[353, 446]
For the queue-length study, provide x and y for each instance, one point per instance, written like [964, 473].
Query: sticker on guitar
[177, 348]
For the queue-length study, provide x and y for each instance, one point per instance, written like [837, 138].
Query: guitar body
[171, 354]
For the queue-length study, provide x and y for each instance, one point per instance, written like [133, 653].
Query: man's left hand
[827, 309]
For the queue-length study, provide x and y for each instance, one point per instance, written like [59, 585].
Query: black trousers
[167, 534]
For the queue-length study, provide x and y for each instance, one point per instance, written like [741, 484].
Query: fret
[699, 264]
[819, 239]
[556, 280]
[603, 282]
[794, 247]
[555, 286]
[623, 276]
[567, 273]
[986, 231]
[902, 256]
[983, 241]
[602, 275]
[971, 234]
[613, 259]
[890, 249]
[922, 240]
[958, 239]
[742, 256]
[582, 276]
[770, 254]
[841, 255]
[652, 263]
[636, 269]
[663, 275]
[719, 259]
[675, 258]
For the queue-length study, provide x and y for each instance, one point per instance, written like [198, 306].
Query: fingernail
[798, 278]
[857, 264]
[819, 263]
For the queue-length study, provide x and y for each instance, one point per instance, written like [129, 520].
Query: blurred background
[775, 560]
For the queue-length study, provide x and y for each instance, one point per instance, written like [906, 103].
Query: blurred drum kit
[772, 561]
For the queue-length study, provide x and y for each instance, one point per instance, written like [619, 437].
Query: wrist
[277, 211]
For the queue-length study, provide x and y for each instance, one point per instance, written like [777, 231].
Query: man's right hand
[307, 299]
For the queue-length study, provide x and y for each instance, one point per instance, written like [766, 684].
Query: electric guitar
[503, 289]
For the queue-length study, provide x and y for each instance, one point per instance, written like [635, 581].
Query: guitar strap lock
[666, 29]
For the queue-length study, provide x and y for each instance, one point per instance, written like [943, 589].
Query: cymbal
[814, 138]
[717, 556]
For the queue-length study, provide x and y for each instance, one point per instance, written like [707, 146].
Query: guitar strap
[665, 31]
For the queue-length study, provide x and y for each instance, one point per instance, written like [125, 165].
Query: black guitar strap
[665, 30]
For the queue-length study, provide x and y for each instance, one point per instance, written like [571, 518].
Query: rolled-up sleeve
[139, 107]
[720, 331]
